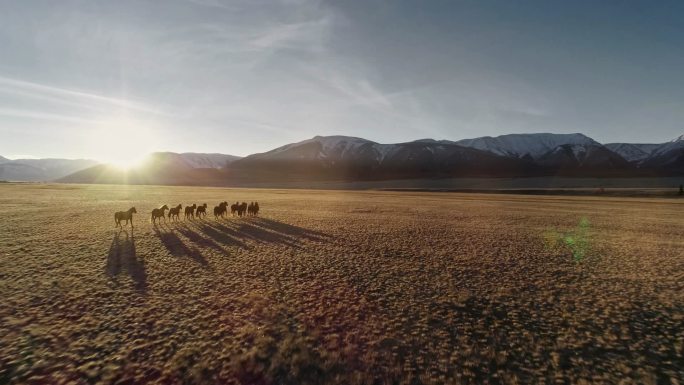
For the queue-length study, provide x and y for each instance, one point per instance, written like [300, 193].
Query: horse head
[165, 207]
[132, 210]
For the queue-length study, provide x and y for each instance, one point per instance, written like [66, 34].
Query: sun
[122, 144]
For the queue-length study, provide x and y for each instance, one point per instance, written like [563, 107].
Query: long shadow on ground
[176, 247]
[196, 237]
[288, 229]
[217, 234]
[122, 256]
[220, 233]
[260, 234]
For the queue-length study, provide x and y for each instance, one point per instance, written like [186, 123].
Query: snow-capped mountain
[35, 170]
[351, 158]
[633, 152]
[520, 145]
[668, 155]
[160, 168]
[675, 144]
[356, 157]
[584, 156]
[327, 148]
[43, 170]
[199, 160]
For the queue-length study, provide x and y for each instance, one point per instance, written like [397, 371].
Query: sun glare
[123, 145]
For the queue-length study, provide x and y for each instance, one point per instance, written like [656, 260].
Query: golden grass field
[338, 287]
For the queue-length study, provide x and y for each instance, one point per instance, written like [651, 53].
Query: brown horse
[253, 209]
[242, 209]
[190, 211]
[159, 213]
[201, 211]
[174, 212]
[234, 208]
[124, 216]
[220, 210]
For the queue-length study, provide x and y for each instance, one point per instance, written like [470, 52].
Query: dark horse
[190, 211]
[174, 212]
[124, 216]
[253, 209]
[242, 208]
[159, 213]
[201, 211]
[220, 210]
[234, 208]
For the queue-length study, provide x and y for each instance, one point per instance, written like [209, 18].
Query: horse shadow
[261, 230]
[177, 248]
[260, 234]
[220, 233]
[122, 257]
[197, 238]
[289, 230]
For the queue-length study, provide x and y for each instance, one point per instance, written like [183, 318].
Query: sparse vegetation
[421, 288]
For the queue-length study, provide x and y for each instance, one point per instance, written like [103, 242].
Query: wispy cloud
[307, 35]
[32, 114]
[69, 96]
[212, 4]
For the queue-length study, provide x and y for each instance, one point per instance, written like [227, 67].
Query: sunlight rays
[122, 143]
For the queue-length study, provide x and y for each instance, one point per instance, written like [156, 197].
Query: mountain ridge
[51, 169]
[339, 157]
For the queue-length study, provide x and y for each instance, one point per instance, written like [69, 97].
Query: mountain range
[351, 158]
[34, 170]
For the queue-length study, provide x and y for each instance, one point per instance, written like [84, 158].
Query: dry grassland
[338, 287]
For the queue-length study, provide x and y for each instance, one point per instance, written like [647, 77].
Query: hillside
[38, 170]
[346, 158]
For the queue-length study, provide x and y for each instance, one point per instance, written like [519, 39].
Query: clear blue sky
[83, 78]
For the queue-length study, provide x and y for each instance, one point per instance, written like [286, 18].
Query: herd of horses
[194, 211]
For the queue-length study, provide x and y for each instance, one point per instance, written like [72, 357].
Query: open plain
[348, 287]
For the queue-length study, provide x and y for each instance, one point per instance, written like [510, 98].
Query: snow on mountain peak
[519, 145]
[674, 144]
[199, 160]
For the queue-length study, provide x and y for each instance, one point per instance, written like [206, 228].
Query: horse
[124, 216]
[241, 209]
[234, 208]
[250, 209]
[190, 211]
[255, 209]
[201, 211]
[159, 213]
[174, 212]
[220, 210]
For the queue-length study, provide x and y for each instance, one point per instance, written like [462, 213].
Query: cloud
[40, 115]
[69, 96]
[307, 35]
[211, 4]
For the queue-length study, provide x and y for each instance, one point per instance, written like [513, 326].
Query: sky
[102, 79]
